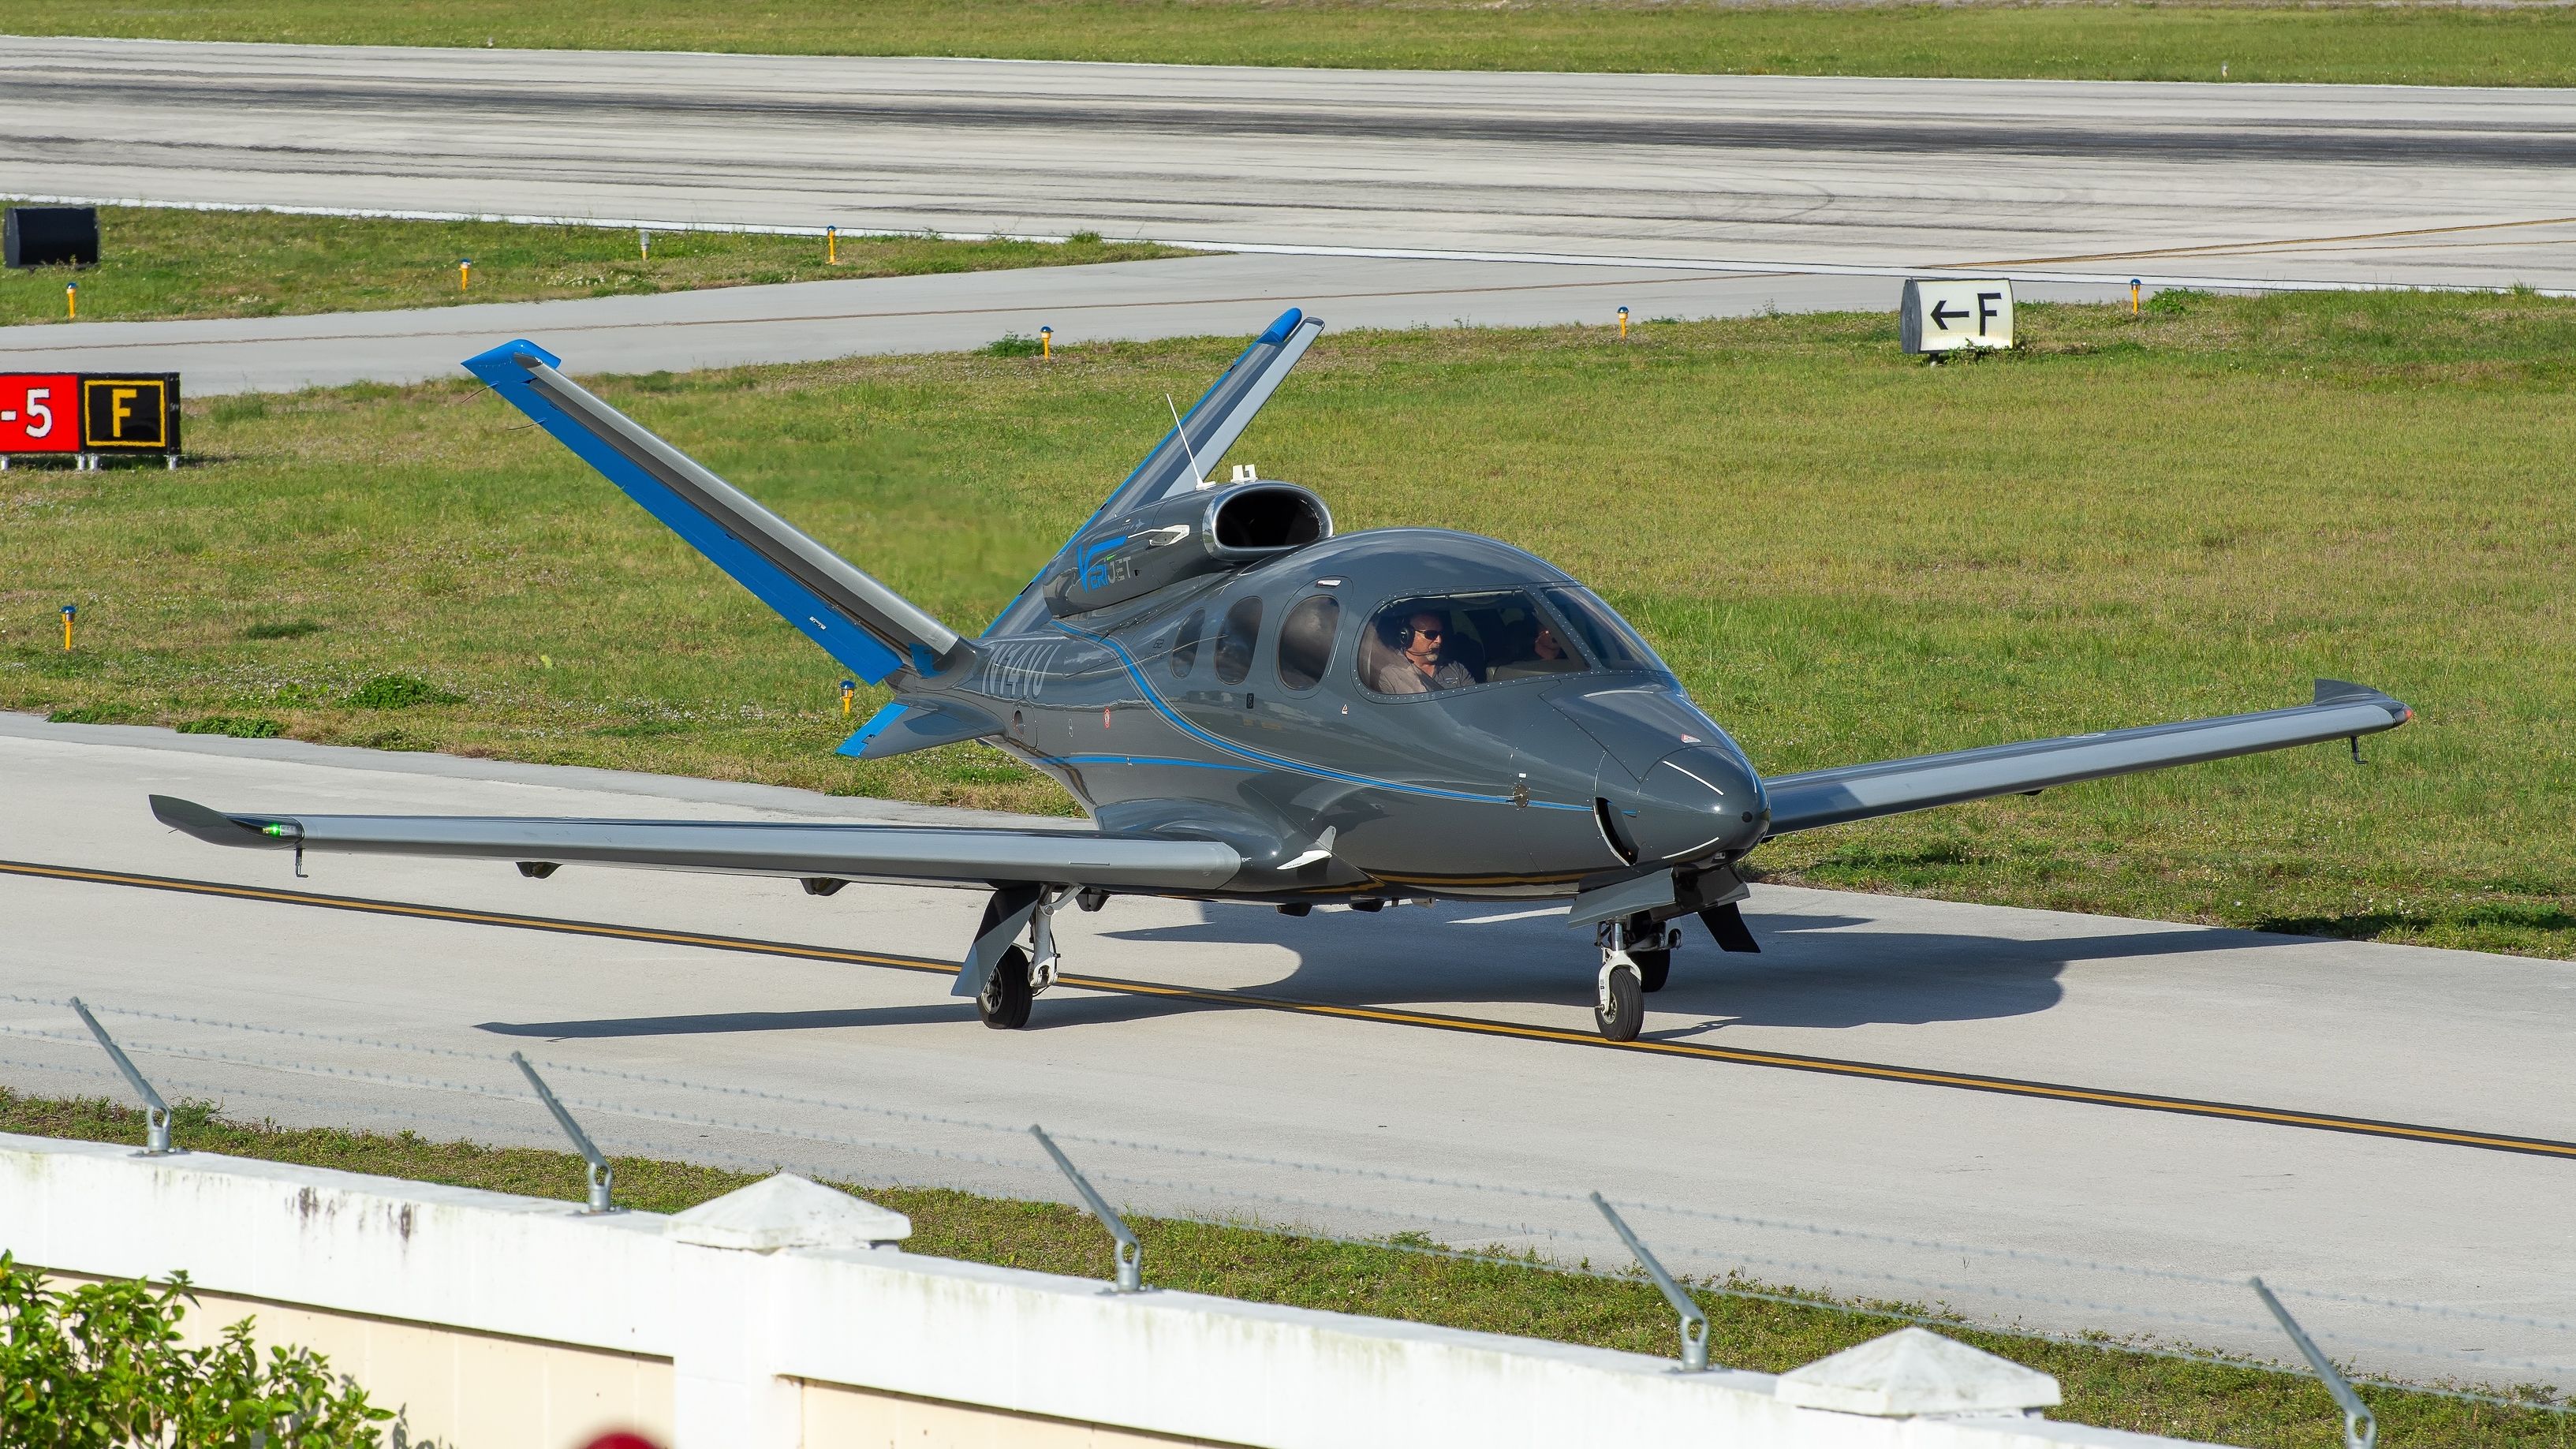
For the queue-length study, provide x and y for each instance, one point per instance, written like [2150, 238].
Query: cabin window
[1234, 643]
[1426, 645]
[1185, 644]
[1601, 633]
[1306, 641]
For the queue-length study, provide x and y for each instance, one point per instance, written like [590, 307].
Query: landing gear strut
[1011, 974]
[1636, 957]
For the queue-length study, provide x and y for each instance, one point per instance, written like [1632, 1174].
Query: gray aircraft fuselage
[1517, 787]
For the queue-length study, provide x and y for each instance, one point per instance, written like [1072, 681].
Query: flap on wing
[903, 726]
[925, 855]
[1890, 787]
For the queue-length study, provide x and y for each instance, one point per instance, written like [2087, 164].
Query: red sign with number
[39, 412]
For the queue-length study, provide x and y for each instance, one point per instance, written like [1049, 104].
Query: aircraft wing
[915, 855]
[1891, 787]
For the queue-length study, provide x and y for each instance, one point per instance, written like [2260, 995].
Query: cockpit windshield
[1602, 633]
[1423, 646]
[1450, 641]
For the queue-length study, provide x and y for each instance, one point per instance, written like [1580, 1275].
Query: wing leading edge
[1891, 787]
[895, 853]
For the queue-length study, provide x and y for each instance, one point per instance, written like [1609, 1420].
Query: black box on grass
[51, 236]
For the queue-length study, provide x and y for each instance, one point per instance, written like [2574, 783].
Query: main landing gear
[1014, 975]
[1636, 957]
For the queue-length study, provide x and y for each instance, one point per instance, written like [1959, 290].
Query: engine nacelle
[1206, 532]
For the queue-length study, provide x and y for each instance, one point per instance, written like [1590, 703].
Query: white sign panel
[1945, 315]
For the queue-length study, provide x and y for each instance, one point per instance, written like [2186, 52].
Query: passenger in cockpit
[1421, 662]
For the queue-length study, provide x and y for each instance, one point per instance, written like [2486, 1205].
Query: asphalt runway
[2066, 180]
[2127, 1117]
[806, 321]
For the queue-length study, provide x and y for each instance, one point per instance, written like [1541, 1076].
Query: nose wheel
[1636, 957]
[1621, 1005]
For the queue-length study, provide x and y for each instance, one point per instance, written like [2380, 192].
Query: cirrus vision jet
[1254, 708]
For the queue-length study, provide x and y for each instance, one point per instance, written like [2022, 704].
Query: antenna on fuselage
[1198, 480]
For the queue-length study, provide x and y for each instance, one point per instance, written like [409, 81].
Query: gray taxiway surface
[2095, 179]
[1321, 1041]
[806, 321]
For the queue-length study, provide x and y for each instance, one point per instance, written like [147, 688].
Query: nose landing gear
[1636, 957]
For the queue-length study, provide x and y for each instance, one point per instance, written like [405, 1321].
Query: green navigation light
[272, 830]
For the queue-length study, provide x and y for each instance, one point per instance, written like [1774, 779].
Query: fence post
[1130, 1253]
[1694, 1322]
[2360, 1428]
[601, 1175]
[156, 1113]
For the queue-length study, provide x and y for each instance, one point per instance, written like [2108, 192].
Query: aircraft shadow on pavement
[718, 1022]
[1811, 973]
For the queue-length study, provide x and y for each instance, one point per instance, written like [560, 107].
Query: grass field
[1847, 555]
[2103, 1385]
[158, 262]
[2412, 44]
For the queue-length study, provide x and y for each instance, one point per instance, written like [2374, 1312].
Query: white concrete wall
[438, 1298]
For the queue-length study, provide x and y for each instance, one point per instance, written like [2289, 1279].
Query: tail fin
[1196, 442]
[858, 621]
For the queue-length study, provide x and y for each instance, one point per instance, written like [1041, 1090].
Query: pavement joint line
[1480, 1026]
[2258, 244]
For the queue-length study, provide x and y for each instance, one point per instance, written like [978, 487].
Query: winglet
[216, 828]
[2344, 691]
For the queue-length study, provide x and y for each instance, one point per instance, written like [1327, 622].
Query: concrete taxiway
[2294, 184]
[808, 321]
[1912, 1073]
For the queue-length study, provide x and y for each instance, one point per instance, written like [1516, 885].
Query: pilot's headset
[1397, 628]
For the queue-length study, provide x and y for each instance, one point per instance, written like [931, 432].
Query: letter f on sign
[118, 398]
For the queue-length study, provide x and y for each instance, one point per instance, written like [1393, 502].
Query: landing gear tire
[1621, 1009]
[1004, 1001]
[1654, 968]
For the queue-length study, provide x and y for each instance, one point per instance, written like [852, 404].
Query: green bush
[101, 1367]
[2173, 301]
[398, 691]
[239, 726]
[1012, 344]
[95, 714]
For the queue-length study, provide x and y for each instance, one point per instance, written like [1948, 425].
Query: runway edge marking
[1740, 1056]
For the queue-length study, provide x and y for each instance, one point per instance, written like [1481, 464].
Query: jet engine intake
[1194, 533]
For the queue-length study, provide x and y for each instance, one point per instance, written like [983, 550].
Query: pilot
[1549, 649]
[1425, 665]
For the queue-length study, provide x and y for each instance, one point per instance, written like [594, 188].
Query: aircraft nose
[1699, 802]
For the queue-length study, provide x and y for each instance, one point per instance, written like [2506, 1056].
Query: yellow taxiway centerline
[1391, 1016]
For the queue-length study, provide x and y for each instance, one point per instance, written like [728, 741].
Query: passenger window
[1306, 641]
[1234, 645]
[1185, 645]
[1425, 645]
[1602, 633]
